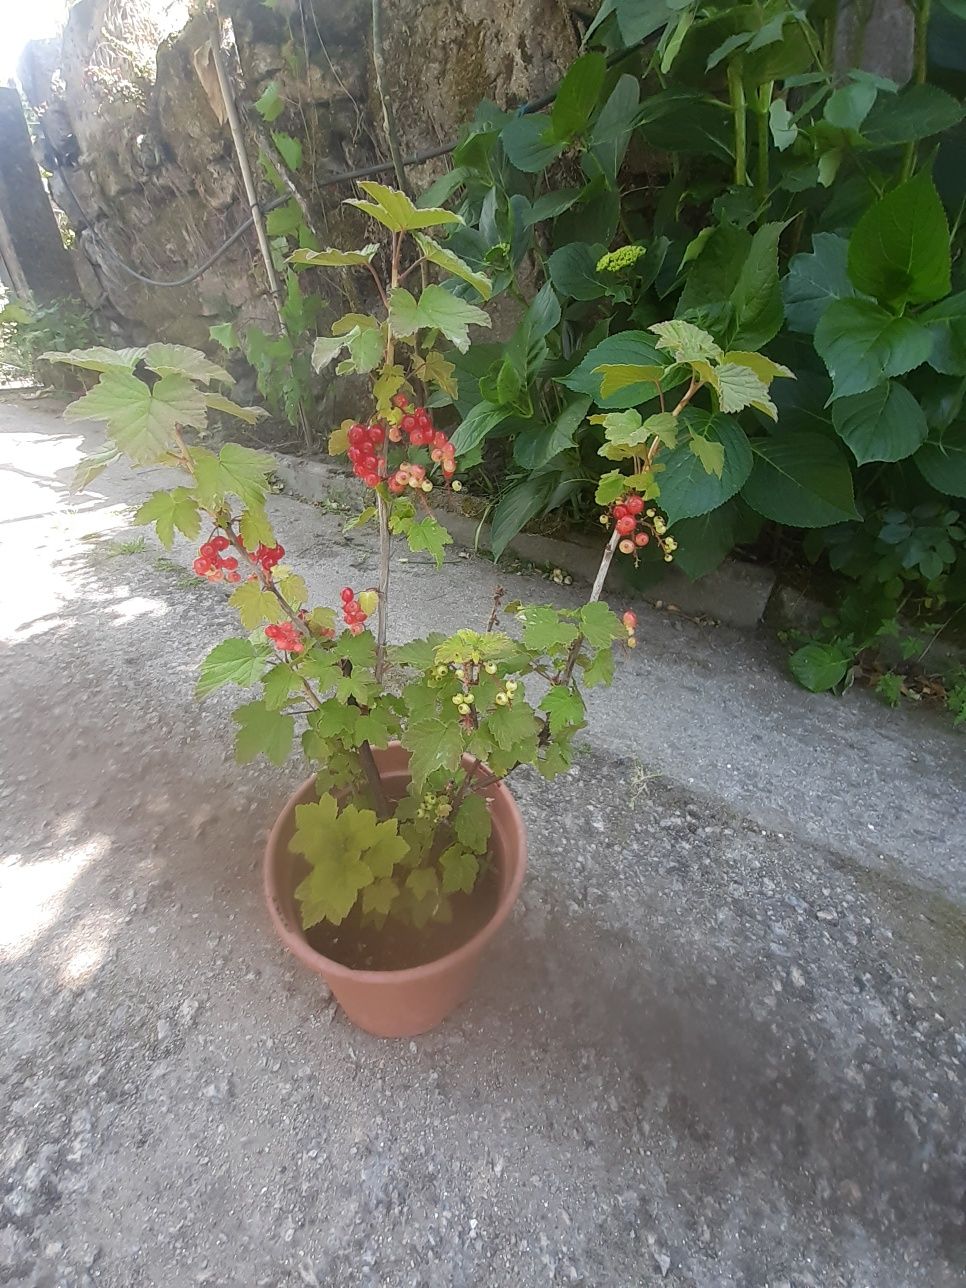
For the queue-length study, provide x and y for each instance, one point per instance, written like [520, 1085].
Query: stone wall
[144, 166]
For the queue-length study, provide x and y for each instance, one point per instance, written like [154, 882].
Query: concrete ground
[721, 1042]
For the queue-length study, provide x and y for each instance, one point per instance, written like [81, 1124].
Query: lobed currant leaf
[460, 869]
[262, 732]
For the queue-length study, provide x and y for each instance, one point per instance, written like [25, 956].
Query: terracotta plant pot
[395, 1003]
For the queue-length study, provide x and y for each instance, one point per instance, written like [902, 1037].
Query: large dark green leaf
[480, 422]
[612, 130]
[943, 464]
[630, 347]
[756, 300]
[695, 124]
[899, 249]
[820, 667]
[801, 479]
[535, 447]
[703, 542]
[529, 144]
[574, 273]
[517, 507]
[882, 424]
[862, 344]
[814, 280]
[577, 95]
[687, 489]
[916, 113]
[712, 278]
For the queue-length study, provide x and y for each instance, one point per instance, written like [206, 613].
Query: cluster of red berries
[417, 424]
[285, 636]
[212, 564]
[630, 625]
[368, 463]
[353, 614]
[627, 517]
[268, 556]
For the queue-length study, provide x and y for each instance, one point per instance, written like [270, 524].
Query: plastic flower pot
[396, 1003]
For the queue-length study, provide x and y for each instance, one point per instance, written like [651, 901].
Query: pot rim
[295, 941]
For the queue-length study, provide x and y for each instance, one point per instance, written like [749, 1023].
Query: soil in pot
[398, 946]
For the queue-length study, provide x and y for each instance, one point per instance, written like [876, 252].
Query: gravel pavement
[721, 1042]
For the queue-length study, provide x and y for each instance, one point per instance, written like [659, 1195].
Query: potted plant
[391, 867]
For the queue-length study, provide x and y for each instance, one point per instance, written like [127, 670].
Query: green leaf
[847, 107]
[577, 96]
[512, 727]
[479, 422]
[396, 211]
[756, 300]
[475, 646]
[284, 221]
[436, 309]
[545, 630]
[516, 508]
[916, 113]
[250, 415]
[552, 204]
[600, 669]
[686, 342]
[533, 448]
[564, 707]
[423, 882]
[882, 424]
[235, 661]
[943, 463]
[98, 358]
[224, 334]
[429, 535]
[617, 376]
[255, 529]
[235, 471]
[784, 131]
[820, 667]
[179, 360]
[800, 479]
[739, 387]
[444, 258]
[814, 280]
[278, 684]
[330, 258]
[262, 732]
[419, 654]
[379, 897]
[89, 467]
[255, 606]
[687, 489]
[626, 348]
[346, 851]
[861, 344]
[611, 486]
[529, 143]
[611, 134]
[289, 149]
[710, 454]
[573, 271]
[432, 745]
[170, 510]
[599, 626]
[899, 249]
[270, 105]
[141, 421]
[704, 541]
[472, 823]
[460, 869]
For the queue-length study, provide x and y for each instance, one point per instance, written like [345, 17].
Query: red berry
[221, 543]
[377, 435]
[409, 423]
[201, 566]
[371, 480]
[630, 620]
[621, 511]
[233, 577]
[231, 563]
[641, 539]
[440, 439]
[346, 595]
[357, 436]
[634, 504]
[400, 401]
[356, 629]
[207, 551]
[626, 525]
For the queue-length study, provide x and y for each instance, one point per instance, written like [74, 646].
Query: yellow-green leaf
[396, 211]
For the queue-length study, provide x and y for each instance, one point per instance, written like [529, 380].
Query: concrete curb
[735, 593]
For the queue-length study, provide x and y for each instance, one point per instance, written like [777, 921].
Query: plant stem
[761, 172]
[382, 608]
[920, 69]
[736, 91]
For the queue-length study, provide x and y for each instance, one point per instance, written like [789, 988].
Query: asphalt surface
[721, 1042]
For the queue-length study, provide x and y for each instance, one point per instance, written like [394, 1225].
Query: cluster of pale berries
[368, 450]
[465, 702]
[631, 521]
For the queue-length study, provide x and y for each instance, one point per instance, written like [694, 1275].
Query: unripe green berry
[511, 687]
[501, 699]
[489, 668]
[463, 709]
